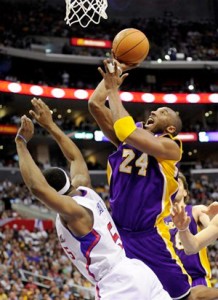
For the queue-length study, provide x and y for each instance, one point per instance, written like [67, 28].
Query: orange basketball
[130, 46]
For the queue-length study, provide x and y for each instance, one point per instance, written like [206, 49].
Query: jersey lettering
[100, 208]
[115, 236]
[69, 252]
[129, 156]
[142, 163]
[178, 243]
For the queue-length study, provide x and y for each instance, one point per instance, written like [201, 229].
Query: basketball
[130, 46]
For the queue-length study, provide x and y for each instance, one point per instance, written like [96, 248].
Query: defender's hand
[26, 130]
[41, 113]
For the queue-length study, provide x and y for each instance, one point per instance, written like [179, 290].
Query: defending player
[197, 265]
[85, 228]
[142, 176]
[194, 243]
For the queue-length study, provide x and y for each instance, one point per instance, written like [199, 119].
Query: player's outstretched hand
[26, 130]
[41, 113]
[212, 209]
[112, 77]
[180, 217]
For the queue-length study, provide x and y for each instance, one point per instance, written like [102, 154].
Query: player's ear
[185, 193]
[171, 129]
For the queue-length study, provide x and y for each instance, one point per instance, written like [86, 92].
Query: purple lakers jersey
[197, 265]
[141, 188]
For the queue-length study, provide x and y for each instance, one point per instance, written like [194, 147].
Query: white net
[85, 11]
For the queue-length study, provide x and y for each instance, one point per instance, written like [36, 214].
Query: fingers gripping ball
[111, 68]
[130, 46]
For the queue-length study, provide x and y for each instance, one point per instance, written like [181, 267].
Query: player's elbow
[93, 106]
[91, 103]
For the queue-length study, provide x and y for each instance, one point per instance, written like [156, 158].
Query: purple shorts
[160, 256]
[200, 281]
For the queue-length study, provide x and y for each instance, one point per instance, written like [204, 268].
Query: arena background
[36, 49]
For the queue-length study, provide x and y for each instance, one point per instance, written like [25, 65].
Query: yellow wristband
[124, 127]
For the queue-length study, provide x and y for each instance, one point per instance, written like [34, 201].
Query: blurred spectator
[30, 285]
[65, 79]
[3, 295]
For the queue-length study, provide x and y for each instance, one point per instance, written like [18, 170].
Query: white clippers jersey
[96, 253]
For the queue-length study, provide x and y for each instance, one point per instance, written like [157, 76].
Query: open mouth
[150, 121]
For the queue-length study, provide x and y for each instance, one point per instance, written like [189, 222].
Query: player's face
[159, 120]
[182, 193]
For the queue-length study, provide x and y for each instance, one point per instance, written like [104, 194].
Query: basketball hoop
[85, 11]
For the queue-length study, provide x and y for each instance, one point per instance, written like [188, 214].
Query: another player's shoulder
[85, 188]
[89, 192]
[199, 208]
[198, 213]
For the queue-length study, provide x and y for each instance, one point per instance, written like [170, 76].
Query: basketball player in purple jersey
[197, 265]
[194, 243]
[142, 175]
[84, 226]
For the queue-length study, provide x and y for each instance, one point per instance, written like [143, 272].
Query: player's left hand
[212, 209]
[26, 130]
[180, 217]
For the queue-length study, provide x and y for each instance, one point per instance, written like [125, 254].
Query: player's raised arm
[38, 186]
[101, 113]
[79, 171]
[193, 243]
[126, 130]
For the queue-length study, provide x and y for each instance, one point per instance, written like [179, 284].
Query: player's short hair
[177, 123]
[185, 184]
[58, 179]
